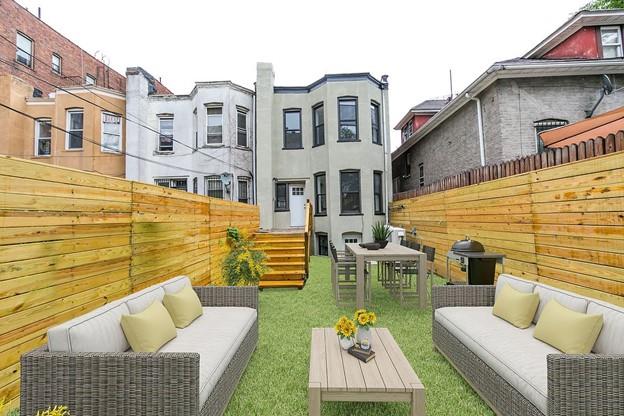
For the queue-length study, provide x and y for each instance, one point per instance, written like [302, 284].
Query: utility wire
[137, 121]
[86, 139]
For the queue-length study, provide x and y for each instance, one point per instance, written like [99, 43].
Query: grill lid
[467, 245]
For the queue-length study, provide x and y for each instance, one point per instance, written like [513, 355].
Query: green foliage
[604, 4]
[13, 412]
[381, 231]
[54, 411]
[243, 265]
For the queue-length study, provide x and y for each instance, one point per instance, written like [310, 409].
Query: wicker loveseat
[88, 365]
[517, 374]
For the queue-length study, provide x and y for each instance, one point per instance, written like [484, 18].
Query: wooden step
[261, 238]
[279, 243]
[291, 272]
[282, 283]
[282, 250]
[285, 263]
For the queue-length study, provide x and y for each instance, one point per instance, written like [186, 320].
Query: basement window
[174, 183]
[611, 39]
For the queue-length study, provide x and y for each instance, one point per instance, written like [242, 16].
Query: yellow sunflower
[363, 319]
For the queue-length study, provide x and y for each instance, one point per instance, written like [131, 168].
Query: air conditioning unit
[398, 234]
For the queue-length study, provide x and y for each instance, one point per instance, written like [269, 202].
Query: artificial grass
[276, 379]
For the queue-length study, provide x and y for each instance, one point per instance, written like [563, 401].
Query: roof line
[327, 78]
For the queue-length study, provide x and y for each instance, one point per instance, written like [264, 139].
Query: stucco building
[201, 142]
[499, 116]
[327, 142]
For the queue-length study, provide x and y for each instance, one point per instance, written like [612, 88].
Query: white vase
[346, 343]
[364, 337]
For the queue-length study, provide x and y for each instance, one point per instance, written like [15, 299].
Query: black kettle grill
[479, 265]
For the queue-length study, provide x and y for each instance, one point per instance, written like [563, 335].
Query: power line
[138, 122]
[121, 152]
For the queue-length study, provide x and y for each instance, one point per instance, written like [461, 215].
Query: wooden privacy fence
[549, 157]
[71, 241]
[562, 225]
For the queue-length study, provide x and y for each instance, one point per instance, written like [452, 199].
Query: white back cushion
[139, 301]
[176, 284]
[97, 331]
[521, 285]
[570, 300]
[611, 338]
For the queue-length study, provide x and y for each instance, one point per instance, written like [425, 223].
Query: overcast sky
[414, 42]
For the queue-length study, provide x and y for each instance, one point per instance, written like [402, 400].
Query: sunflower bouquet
[345, 328]
[364, 318]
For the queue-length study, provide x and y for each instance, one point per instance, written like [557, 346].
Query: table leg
[314, 399]
[422, 281]
[359, 284]
[418, 402]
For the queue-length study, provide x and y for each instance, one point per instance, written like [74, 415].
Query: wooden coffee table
[337, 376]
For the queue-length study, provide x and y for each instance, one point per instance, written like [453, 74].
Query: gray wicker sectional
[511, 371]
[88, 367]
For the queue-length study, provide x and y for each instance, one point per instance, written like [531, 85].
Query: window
[43, 137]
[243, 189]
[320, 193]
[347, 119]
[611, 39]
[375, 131]
[351, 238]
[75, 119]
[174, 183]
[281, 197]
[241, 128]
[214, 125]
[318, 118]
[322, 246]
[56, 63]
[421, 174]
[195, 185]
[543, 125]
[292, 129]
[165, 139]
[89, 79]
[214, 186]
[111, 133]
[378, 192]
[195, 135]
[24, 50]
[350, 192]
[406, 131]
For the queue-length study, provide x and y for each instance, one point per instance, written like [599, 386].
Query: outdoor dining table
[391, 253]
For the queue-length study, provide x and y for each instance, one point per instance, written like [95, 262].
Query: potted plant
[345, 328]
[381, 233]
[364, 320]
[244, 265]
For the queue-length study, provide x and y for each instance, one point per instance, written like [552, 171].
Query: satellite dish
[607, 86]
[226, 179]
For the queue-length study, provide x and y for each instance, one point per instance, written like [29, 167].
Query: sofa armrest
[126, 383]
[591, 384]
[228, 295]
[461, 295]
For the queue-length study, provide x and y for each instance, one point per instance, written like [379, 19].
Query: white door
[296, 203]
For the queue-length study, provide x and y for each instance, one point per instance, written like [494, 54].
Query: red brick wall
[76, 62]
[582, 44]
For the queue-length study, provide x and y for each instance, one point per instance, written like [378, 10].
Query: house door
[297, 205]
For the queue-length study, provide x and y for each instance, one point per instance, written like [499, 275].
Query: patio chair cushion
[149, 330]
[516, 307]
[611, 338]
[96, 331]
[183, 306]
[215, 336]
[568, 299]
[512, 352]
[141, 300]
[520, 285]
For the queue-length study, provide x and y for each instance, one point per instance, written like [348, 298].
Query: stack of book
[361, 354]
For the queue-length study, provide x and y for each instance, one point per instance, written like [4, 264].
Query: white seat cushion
[215, 336]
[521, 285]
[512, 352]
[96, 331]
[568, 299]
[611, 338]
[139, 301]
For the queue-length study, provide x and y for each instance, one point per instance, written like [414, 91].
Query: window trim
[287, 208]
[69, 112]
[162, 117]
[315, 107]
[376, 105]
[421, 174]
[247, 180]
[218, 178]
[209, 106]
[87, 76]
[37, 138]
[171, 178]
[60, 65]
[381, 193]
[292, 110]
[317, 212]
[357, 120]
[318, 243]
[342, 210]
[245, 112]
[405, 129]
[102, 148]
[31, 54]
[619, 45]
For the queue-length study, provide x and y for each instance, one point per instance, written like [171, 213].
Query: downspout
[254, 163]
[386, 145]
[480, 127]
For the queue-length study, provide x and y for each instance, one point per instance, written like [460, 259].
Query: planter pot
[364, 337]
[346, 343]
[382, 243]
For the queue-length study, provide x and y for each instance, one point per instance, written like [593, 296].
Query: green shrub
[244, 265]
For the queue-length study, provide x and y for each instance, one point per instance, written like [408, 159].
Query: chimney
[39, 13]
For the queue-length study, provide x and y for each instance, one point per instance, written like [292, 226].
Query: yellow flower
[358, 313]
[372, 318]
[363, 319]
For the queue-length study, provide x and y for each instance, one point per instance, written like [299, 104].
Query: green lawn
[275, 382]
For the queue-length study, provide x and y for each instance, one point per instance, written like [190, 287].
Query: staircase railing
[308, 233]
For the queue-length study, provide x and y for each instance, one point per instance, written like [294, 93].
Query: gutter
[480, 127]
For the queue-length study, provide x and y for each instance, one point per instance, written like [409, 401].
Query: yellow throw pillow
[149, 330]
[569, 331]
[517, 308]
[183, 306]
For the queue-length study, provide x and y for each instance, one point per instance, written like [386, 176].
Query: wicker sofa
[517, 374]
[88, 365]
